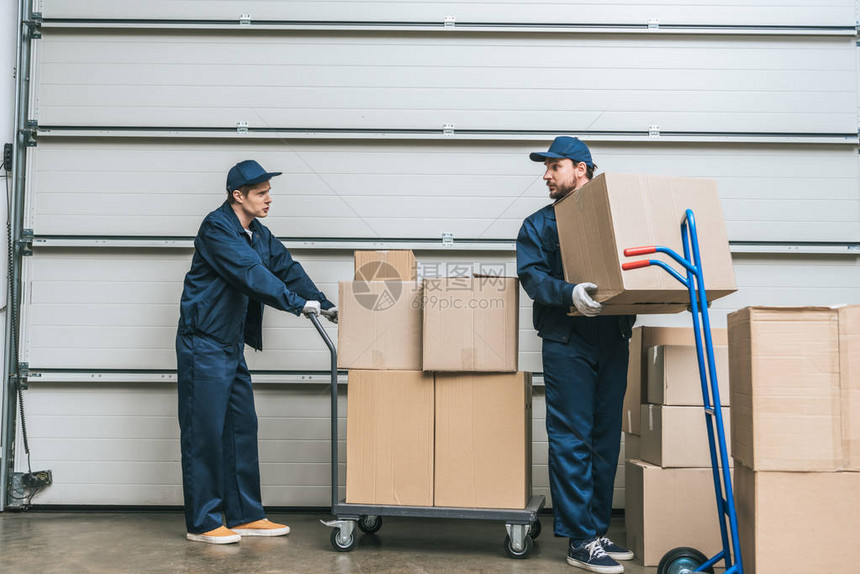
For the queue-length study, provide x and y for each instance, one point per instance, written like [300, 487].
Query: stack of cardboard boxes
[437, 413]
[795, 391]
[668, 479]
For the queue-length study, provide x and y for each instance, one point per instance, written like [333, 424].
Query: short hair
[243, 189]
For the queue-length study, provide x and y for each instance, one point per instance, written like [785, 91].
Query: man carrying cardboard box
[585, 372]
[238, 266]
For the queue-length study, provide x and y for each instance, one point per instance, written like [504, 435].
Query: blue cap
[565, 146]
[248, 172]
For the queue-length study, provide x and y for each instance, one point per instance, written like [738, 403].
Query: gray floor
[74, 542]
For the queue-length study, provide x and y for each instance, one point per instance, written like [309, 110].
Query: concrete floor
[84, 542]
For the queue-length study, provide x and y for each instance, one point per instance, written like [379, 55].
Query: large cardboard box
[668, 508]
[379, 326]
[616, 211]
[393, 265]
[785, 387]
[389, 438]
[673, 375]
[471, 324]
[779, 513]
[637, 370]
[483, 440]
[677, 437]
[849, 381]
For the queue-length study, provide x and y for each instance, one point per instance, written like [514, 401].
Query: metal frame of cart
[523, 526]
[686, 560]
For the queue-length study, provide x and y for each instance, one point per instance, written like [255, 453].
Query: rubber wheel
[534, 530]
[524, 553]
[682, 561]
[337, 545]
[370, 524]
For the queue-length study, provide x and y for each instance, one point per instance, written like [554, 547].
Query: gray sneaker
[591, 556]
[615, 551]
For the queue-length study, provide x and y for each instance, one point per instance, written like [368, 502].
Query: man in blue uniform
[585, 372]
[238, 267]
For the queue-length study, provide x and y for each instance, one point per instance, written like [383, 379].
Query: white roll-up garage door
[395, 123]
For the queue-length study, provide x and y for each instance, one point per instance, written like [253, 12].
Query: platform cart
[523, 526]
[686, 560]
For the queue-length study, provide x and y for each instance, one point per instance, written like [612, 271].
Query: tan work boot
[262, 527]
[221, 535]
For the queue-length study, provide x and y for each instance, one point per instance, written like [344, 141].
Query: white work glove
[311, 308]
[583, 301]
[330, 314]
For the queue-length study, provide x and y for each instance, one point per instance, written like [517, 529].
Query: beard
[561, 192]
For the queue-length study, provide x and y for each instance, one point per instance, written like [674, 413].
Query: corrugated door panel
[85, 311]
[419, 189]
[724, 12]
[118, 309]
[395, 81]
[116, 444]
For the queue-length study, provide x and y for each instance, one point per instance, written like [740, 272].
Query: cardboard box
[785, 387]
[849, 382]
[394, 265]
[471, 324]
[668, 508]
[389, 438]
[483, 440]
[779, 513]
[616, 211]
[677, 437]
[632, 446]
[379, 325]
[637, 370]
[673, 375]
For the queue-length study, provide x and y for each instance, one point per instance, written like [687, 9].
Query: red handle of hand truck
[632, 251]
[635, 264]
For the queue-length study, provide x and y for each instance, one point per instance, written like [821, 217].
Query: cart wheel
[682, 561]
[338, 545]
[534, 529]
[370, 524]
[528, 545]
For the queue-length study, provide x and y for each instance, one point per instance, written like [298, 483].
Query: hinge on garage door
[245, 20]
[30, 132]
[34, 25]
[20, 378]
[25, 242]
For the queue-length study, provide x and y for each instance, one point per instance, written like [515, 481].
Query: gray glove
[583, 301]
[330, 314]
[311, 308]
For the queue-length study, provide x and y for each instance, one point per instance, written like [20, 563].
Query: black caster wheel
[524, 553]
[370, 524]
[340, 546]
[534, 529]
[682, 561]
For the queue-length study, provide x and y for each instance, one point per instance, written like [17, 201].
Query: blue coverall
[585, 377]
[232, 276]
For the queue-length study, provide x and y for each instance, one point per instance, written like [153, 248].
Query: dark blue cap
[248, 172]
[565, 146]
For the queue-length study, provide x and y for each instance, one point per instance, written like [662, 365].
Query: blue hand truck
[686, 560]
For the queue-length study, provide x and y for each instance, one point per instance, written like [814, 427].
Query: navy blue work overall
[232, 276]
[585, 377]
